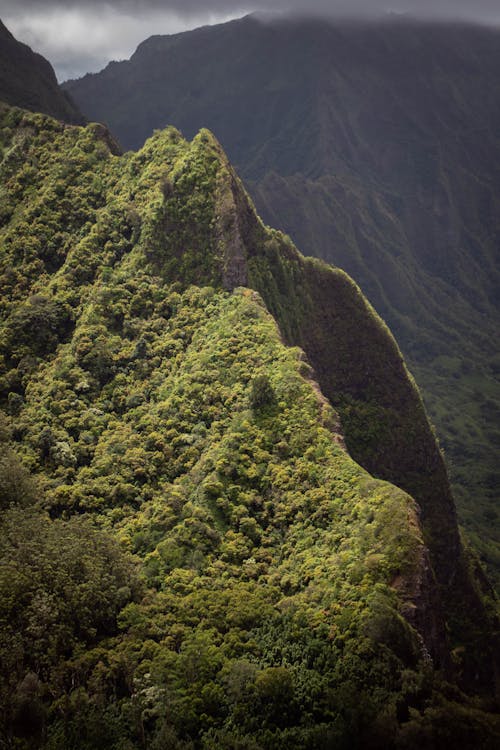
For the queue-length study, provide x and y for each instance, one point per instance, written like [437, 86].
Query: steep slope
[376, 148]
[28, 80]
[285, 597]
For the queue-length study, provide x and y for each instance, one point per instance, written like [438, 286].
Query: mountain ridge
[379, 161]
[147, 391]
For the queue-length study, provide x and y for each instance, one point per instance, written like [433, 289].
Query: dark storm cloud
[479, 9]
[83, 35]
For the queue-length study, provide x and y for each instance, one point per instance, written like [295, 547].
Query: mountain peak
[373, 145]
[4, 32]
[28, 80]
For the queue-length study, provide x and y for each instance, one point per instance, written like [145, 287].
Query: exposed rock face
[28, 80]
[424, 610]
[228, 216]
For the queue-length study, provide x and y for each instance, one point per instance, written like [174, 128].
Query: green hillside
[375, 147]
[190, 556]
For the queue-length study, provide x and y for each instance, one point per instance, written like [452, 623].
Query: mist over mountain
[375, 146]
[82, 36]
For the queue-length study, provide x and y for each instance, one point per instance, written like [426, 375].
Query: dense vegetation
[375, 147]
[190, 557]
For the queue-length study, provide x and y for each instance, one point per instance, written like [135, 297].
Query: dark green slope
[28, 80]
[361, 371]
[197, 561]
[376, 148]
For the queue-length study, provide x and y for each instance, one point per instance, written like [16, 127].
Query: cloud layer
[83, 35]
[480, 9]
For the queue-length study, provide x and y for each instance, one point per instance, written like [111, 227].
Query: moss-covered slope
[267, 591]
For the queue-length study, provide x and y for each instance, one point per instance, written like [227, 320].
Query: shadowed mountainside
[28, 80]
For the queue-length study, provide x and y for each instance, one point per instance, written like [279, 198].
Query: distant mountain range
[28, 80]
[377, 148]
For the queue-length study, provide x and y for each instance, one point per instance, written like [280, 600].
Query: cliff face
[152, 381]
[361, 371]
[28, 80]
[375, 147]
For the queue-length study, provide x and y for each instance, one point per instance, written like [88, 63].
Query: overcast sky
[80, 36]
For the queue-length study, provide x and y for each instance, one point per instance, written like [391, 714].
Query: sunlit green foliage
[346, 148]
[202, 564]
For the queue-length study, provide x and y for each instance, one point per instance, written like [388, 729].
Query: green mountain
[375, 147]
[28, 80]
[191, 558]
